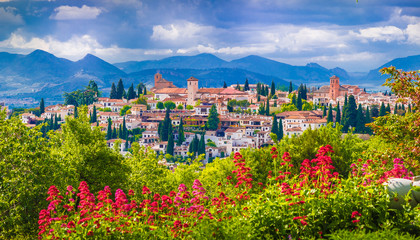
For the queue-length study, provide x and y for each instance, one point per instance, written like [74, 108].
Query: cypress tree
[275, 126]
[338, 114]
[344, 114]
[114, 133]
[165, 127]
[94, 115]
[55, 122]
[126, 143]
[160, 126]
[213, 119]
[140, 89]
[396, 109]
[238, 87]
[195, 146]
[109, 130]
[388, 109]
[90, 118]
[299, 102]
[113, 94]
[41, 107]
[170, 147]
[181, 135]
[403, 107]
[324, 111]
[330, 117]
[305, 93]
[360, 120]
[224, 85]
[258, 89]
[120, 89]
[294, 100]
[191, 147]
[120, 132]
[273, 88]
[351, 114]
[290, 87]
[124, 129]
[382, 111]
[246, 85]
[131, 94]
[201, 145]
[144, 90]
[266, 91]
[368, 119]
[409, 107]
[76, 113]
[280, 130]
[258, 98]
[267, 107]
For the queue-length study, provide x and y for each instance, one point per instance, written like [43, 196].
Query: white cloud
[8, 16]
[413, 33]
[386, 33]
[69, 13]
[181, 32]
[76, 47]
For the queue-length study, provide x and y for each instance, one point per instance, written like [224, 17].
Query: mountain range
[43, 75]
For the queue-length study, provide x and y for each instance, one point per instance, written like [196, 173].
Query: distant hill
[200, 61]
[207, 78]
[410, 63]
[41, 74]
[311, 73]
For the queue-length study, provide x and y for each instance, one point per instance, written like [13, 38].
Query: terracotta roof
[232, 91]
[192, 79]
[210, 90]
[171, 91]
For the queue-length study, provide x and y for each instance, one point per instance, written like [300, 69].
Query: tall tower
[334, 87]
[158, 78]
[192, 90]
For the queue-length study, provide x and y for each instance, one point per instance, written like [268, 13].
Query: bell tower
[334, 87]
[192, 89]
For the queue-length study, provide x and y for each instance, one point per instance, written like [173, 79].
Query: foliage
[160, 105]
[125, 110]
[27, 169]
[169, 104]
[82, 97]
[213, 119]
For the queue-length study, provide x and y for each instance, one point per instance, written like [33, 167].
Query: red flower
[356, 221]
[303, 222]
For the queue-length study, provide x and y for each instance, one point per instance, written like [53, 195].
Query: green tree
[180, 107]
[41, 106]
[28, 168]
[324, 111]
[76, 112]
[94, 115]
[350, 120]
[290, 87]
[131, 94]
[125, 110]
[109, 130]
[169, 104]
[170, 147]
[213, 119]
[330, 117]
[338, 114]
[382, 110]
[267, 107]
[360, 120]
[388, 109]
[144, 90]
[181, 135]
[160, 105]
[140, 88]
[299, 102]
[275, 126]
[120, 89]
[280, 130]
[201, 145]
[165, 126]
[84, 150]
[113, 94]
[273, 88]
[246, 85]
[224, 85]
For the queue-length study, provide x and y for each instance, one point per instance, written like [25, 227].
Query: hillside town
[216, 121]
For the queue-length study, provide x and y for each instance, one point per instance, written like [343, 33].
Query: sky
[355, 35]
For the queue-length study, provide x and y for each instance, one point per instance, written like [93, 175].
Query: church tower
[334, 87]
[192, 90]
